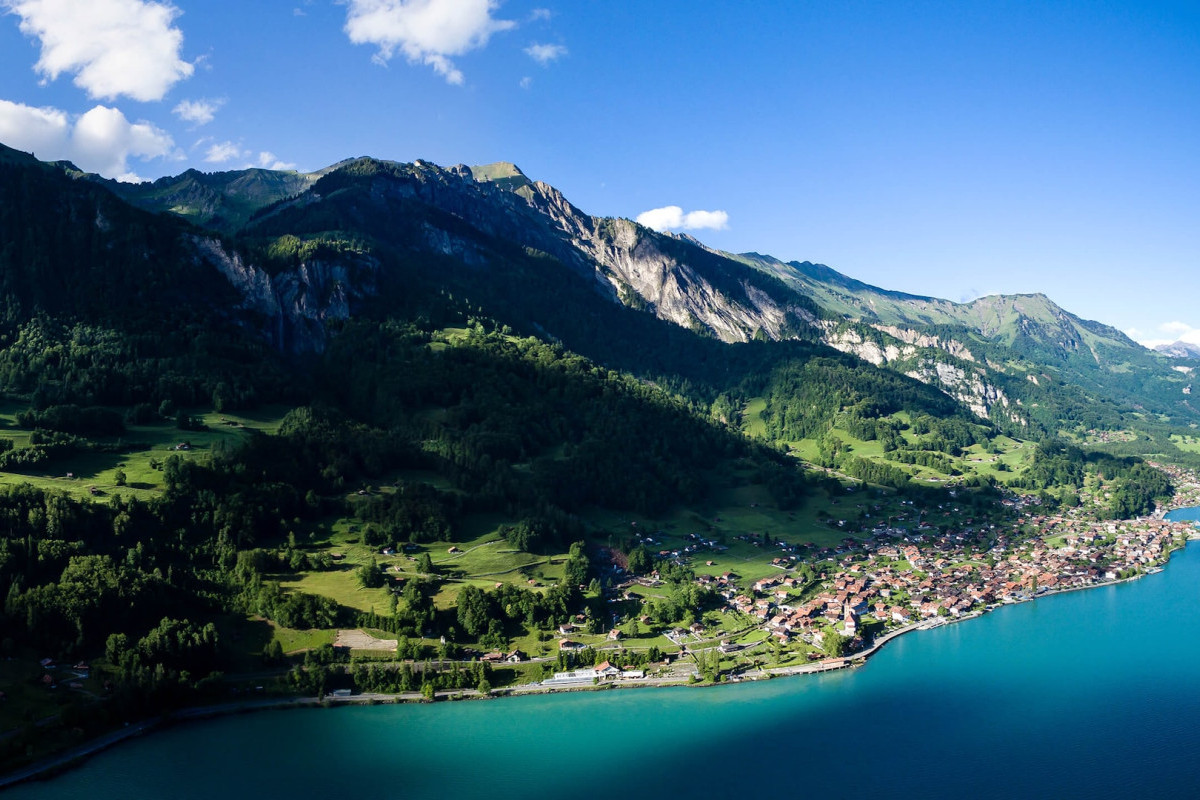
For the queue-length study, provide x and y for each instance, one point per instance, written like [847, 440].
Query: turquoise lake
[1087, 694]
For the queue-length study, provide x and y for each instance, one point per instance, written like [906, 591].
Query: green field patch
[732, 517]
[648, 592]
[752, 637]
[753, 422]
[143, 449]
[644, 641]
[266, 419]
[1190, 444]
[804, 449]
[492, 560]
[536, 644]
[293, 641]
[342, 586]
[454, 335]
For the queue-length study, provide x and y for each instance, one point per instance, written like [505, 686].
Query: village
[898, 580]
[903, 579]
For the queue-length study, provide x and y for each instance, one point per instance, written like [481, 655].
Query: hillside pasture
[90, 474]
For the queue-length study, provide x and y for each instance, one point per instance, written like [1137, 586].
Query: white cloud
[545, 53]
[425, 31]
[268, 160]
[712, 220]
[45, 132]
[220, 152]
[540, 14]
[199, 112]
[1167, 333]
[104, 140]
[101, 140]
[526, 82]
[113, 47]
[674, 218]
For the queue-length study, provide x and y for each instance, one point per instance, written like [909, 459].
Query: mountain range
[1003, 356]
[292, 256]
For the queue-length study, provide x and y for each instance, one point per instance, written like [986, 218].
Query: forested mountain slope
[308, 251]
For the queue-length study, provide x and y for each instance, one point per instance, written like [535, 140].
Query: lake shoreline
[49, 767]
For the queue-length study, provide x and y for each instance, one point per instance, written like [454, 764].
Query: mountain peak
[497, 169]
[502, 173]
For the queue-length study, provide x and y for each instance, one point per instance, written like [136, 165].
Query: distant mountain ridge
[1180, 349]
[1003, 318]
[1023, 345]
[221, 200]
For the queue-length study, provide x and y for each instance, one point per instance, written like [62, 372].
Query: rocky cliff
[295, 306]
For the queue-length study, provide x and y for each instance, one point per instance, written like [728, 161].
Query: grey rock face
[294, 306]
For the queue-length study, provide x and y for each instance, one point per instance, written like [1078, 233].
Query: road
[76, 753]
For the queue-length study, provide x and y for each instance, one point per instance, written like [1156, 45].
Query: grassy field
[295, 641]
[1013, 453]
[1190, 444]
[483, 560]
[342, 586]
[149, 445]
[752, 421]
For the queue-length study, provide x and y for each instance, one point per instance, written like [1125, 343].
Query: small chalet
[606, 670]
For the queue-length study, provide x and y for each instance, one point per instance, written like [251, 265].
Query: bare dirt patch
[360, 640]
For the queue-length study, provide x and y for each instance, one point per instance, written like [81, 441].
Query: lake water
[1093, 693]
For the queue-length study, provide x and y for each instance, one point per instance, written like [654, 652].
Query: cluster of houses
[71, 676]
[695, 544]
[922, 576]
[908, 570]
[1187, 485]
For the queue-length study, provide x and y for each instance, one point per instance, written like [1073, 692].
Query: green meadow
[95, 474]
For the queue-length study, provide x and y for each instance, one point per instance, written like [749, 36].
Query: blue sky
[953, 149]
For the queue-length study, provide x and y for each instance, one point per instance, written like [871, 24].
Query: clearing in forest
[359, 640]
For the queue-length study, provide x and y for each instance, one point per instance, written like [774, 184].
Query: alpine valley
[402, 430]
